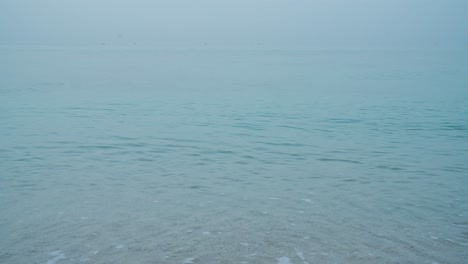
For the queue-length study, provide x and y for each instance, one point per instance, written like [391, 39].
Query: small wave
[340, 160]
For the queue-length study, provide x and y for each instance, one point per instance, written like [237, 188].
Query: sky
[236, 23]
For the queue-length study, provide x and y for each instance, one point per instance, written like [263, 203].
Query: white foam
[456, 242]
[299, 253]
[284, 260]
[307, 200]
[58, 255]
[119, 246]
[188, 261]
[245, 244]
[206, 233]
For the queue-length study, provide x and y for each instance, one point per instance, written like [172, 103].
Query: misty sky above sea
[239, 23]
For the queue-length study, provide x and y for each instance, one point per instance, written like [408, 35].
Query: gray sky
[251, 23]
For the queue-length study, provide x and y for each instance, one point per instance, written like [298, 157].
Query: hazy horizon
[257, 24]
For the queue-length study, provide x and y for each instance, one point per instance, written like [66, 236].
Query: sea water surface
[127, 155]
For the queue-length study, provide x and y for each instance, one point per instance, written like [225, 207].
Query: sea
[191, 155]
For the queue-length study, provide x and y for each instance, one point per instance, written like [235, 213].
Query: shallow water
[233, 156]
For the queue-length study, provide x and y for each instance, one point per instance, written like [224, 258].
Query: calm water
[233, 156]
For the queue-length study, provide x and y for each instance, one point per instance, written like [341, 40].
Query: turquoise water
[233, 156]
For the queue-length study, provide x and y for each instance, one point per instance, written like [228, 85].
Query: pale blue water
[233, 156]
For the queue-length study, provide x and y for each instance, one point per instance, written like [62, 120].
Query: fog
[239, 23]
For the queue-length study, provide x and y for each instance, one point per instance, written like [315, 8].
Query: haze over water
[244, 132]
